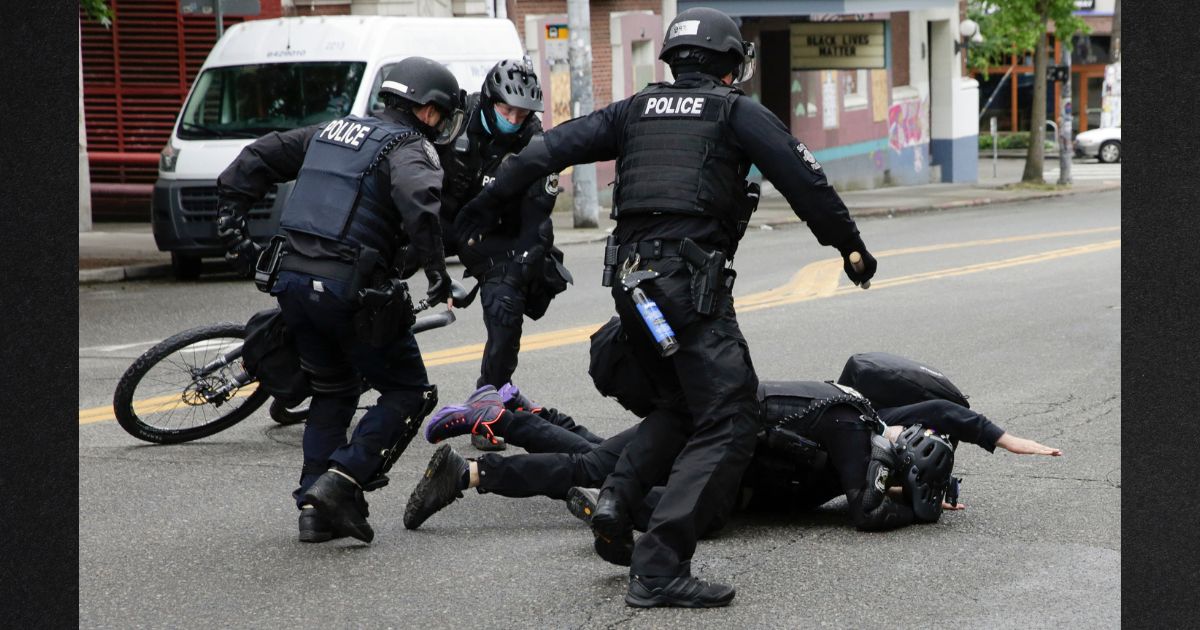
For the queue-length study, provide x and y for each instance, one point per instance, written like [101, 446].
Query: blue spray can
[656, 322]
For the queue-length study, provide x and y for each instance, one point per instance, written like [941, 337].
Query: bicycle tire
[139, 423]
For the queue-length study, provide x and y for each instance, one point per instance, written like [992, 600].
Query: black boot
[581, 502]
[314, 528]
[439, 487]
[338, 499]
[613, 532]
[684, 591]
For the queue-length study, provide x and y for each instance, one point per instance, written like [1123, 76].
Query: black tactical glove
[439, 285]
[855, 244]
[474, 219]
[231, 225]
[243, 256]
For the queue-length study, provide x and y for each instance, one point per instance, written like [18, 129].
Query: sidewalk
[114, 252]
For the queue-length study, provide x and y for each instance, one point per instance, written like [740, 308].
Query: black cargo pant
[503, 313]
[701, 436]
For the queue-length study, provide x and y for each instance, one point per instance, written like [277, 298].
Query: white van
[273, 75]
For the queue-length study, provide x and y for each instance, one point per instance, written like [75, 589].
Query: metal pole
[995, 91]
[995, 149]
[220, 18]
[85, 177]
[1064, 130]
[579, 56]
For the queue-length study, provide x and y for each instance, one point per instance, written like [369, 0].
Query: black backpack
[889, 380]
[269, 354]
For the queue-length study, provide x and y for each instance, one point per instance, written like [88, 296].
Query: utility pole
[579, 56]
[220, 18]
[1116, 34]
[85, 178]
[1064, 126]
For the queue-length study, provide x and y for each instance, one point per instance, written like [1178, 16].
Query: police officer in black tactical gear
[367, 189]
[512, 259]
[683, 151]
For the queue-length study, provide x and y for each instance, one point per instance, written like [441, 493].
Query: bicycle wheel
[185, 387]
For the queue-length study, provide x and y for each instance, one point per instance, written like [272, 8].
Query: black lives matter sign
[838, 45]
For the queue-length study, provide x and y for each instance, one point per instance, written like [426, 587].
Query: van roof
[364, 38]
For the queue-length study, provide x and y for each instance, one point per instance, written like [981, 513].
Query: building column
[953, 108]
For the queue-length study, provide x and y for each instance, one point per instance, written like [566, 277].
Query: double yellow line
[817, 280]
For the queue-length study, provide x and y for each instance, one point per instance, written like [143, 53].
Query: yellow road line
[816, 280]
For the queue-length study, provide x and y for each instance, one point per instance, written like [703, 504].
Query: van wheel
[185, 267]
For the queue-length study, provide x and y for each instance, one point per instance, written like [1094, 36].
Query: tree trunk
[1037, 124]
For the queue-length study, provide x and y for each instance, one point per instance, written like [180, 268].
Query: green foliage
[98, 10]
[1009, 140]
[1010, 26]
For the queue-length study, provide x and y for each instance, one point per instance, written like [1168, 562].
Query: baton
[857, 264]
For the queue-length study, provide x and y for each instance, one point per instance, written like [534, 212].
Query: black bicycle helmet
[707, 39]
[421, 81]
[924, 461]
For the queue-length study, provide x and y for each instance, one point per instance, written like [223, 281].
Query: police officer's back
[683, 151]
[366, 188]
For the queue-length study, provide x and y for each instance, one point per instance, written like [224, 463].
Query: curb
[120, 274]
[951, 205]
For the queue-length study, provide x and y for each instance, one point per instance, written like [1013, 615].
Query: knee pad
[333, 381]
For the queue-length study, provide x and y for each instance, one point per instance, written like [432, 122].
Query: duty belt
[337, 270]
[650, 250]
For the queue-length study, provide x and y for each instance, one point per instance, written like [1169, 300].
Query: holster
[611, 247]
[266, 268]
[385, 311]
[804, 451]
[710, 279]
[753, 192]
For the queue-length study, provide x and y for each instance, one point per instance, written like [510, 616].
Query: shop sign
[838, 45]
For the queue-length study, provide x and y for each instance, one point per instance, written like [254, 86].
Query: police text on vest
[674, 106]
[344, 132]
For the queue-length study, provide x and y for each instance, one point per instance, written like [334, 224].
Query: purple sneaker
[514, 400]
[475, 416]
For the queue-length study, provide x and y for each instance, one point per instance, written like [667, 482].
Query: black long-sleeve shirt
[760, 134]
[412, 176]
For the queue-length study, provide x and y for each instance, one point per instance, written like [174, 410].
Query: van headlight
[167, 158]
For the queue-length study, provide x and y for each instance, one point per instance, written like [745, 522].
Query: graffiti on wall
[908, 124]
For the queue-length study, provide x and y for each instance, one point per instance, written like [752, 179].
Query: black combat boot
[684, 591]
[613, 532]
[314, 528]
[439, 487]
[338, 499]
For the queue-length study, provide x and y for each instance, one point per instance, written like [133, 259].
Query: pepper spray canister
[662, 332]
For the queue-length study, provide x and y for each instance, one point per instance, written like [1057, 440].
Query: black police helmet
[924, 461]
[513, 82]
[423, 81]
[707, 39]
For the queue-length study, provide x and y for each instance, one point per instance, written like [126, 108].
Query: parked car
[272, 75]
[1103, 144]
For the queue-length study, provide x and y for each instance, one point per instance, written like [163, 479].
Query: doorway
[775, 63]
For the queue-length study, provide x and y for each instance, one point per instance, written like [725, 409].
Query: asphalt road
[1019, 304]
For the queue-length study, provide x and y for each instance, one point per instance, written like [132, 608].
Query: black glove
[231, 225]
[474, 219]
[243, 256]
[439, 285]
[855, 244]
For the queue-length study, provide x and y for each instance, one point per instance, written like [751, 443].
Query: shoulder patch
[431, 153]
[552, 184]
[807, 157]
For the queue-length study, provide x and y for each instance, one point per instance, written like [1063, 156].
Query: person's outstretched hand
[1026, 446]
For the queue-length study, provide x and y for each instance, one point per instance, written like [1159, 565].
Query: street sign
[1057, 73]
[228, 7]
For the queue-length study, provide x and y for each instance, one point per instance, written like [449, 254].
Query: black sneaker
[314, 528]
[339, 501]
[614, 534]
[438, 488]
[582, 503]
[684, 591]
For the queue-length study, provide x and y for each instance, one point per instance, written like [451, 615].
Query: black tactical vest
[338, 195]
[798, 405]
[677, 155]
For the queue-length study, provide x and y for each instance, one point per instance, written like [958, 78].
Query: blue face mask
[502, 124]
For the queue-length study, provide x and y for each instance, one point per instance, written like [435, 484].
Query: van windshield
[249, 101]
